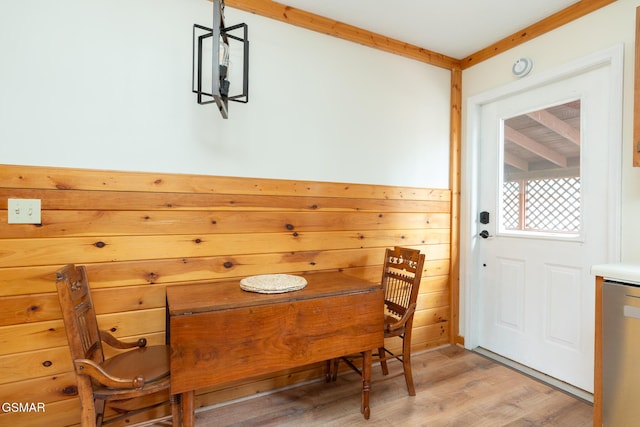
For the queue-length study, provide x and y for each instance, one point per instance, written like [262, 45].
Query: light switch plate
[24, 211]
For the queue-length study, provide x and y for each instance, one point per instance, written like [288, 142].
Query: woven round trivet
[272, 283]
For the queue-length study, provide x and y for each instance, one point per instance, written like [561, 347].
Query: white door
[544, 177]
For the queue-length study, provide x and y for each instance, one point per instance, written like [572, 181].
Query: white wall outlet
[24, 211]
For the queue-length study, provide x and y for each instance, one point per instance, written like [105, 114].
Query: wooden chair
[401, 275]
[132, 374]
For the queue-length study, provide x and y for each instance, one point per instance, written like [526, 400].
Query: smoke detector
[522, 67]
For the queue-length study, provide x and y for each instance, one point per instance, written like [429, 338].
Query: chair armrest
[92, 369]
[403, 320]
[116, 343]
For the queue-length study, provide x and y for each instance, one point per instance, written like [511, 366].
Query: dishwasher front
[620, 354]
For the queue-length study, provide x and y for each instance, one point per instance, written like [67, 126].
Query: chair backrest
[79, 314]
[401, 276]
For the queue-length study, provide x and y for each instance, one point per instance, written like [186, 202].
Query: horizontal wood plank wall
[140, 232]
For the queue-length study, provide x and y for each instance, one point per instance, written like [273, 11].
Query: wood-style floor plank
[454, 387]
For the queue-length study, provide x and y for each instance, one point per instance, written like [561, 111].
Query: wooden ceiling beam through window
[516, 162]
[556, 125]
[534, 147]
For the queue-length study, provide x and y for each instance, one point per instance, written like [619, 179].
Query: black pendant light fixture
[210, 74]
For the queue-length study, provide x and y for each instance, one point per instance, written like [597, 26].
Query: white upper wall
[107, 85]
[611, 25]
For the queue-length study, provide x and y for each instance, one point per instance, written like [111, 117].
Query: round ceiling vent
[522, 67]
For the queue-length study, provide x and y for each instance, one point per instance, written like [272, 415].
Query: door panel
[562, 289]
[510, 287]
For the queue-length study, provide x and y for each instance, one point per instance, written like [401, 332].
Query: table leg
[366, 383]
[188, 409]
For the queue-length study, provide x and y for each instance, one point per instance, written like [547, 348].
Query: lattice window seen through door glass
[511, 205]
[548, 205]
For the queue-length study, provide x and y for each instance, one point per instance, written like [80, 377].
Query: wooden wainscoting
[140, 232]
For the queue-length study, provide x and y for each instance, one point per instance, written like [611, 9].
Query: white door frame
[469, 248]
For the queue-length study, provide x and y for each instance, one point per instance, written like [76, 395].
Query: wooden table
[219, 333]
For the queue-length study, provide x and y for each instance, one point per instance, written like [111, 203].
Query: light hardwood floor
[454, 387]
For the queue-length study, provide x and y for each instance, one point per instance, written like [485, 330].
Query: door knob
[484, 234]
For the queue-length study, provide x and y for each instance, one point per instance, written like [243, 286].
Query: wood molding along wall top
[310, 21]
[558, 19]
[636, 96]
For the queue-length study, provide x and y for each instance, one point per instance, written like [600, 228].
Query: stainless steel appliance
[620, 354]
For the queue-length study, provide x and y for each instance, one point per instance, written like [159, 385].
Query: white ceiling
[456, 28]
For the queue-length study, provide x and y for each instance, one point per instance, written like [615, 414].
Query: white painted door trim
[469, 251]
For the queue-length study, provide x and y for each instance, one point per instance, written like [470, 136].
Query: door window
[540, 191]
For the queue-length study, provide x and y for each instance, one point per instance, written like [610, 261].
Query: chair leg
[327, 371]
[382, 354]
[92, 415]
[406, 366]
